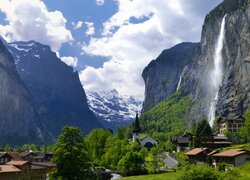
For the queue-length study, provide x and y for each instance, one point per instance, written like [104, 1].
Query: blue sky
[108, 42]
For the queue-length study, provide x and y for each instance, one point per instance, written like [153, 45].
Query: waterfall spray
[217, 72]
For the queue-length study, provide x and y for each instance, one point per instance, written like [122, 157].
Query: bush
[230, 174]
[199, 172]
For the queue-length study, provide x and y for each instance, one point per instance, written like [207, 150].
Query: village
[214, 152]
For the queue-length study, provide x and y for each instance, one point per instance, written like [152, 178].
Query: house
[219, 141]
[8, 156]
[235, 157]
[182, 142]
[27, 155]
[4, 157]
[9, 172]
[42, 157]
[147, 141]
[232, 125]
[199, 154]
[29, 170]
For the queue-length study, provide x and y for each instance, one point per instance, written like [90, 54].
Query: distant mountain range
[113, 109]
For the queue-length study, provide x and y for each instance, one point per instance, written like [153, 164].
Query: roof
[211, 153]
[231, 153]
[230, 118]
[15, 156]
[195, 151]
[183, 140]
[26, 153]
[44, 164]
[17, 163]
[8, 168]
[35, 167]
[2, 153]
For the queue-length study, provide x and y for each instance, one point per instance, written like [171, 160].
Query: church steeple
[137, 128]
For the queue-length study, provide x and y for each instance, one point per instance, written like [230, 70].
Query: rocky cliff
[164, 75]
[234, 88]
[58, 94]
[19, 122]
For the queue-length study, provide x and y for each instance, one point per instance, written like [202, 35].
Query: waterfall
[217, 73]
[181, 75]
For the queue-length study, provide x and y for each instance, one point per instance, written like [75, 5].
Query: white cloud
[131, 46]
[100, 2]
[90, 28]
[70, 61]
[31, 20]
[77, 25]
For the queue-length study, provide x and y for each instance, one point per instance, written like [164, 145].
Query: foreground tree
[70, 156]
[245, 131]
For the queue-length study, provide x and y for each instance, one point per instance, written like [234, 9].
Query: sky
[109, 42]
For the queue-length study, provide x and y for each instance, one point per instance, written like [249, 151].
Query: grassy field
[164, 176]
[243, 170]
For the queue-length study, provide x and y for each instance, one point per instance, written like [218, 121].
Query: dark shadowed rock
[56, 89]
[19, 122]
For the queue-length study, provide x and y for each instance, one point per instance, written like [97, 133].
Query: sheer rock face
[18, 119]
[234, 92]
[163, 74]
[58, 94]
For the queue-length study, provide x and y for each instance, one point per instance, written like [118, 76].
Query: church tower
[136, 130]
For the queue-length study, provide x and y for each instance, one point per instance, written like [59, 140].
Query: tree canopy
[70, 156]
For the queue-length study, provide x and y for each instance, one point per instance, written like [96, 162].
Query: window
[235, 130]
[234, 125]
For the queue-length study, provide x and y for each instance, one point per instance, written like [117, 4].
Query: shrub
[230, 174]
[199, 172]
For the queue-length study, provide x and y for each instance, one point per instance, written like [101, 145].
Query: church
[147, 141]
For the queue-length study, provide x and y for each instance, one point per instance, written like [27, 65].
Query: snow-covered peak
[111, 107]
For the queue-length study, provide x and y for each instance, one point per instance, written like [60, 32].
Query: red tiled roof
[195, 151]
[8, 168]
[17, 163]
[230, 153]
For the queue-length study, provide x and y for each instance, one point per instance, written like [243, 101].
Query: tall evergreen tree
[203, 134]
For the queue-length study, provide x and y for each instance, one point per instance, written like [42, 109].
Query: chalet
[27, 155]
[199, 154]
[182, 142]
[219, 141]
[4, 157]
[147, 141]
[42, 157]
[9, 172]
[235, 157]
[232, 125]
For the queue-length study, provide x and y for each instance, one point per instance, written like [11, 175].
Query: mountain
[163, 76]
[19, 122]
[113, 109]
[216, 81]
[58, 95]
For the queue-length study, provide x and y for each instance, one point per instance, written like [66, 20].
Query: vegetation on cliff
[167, 116]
